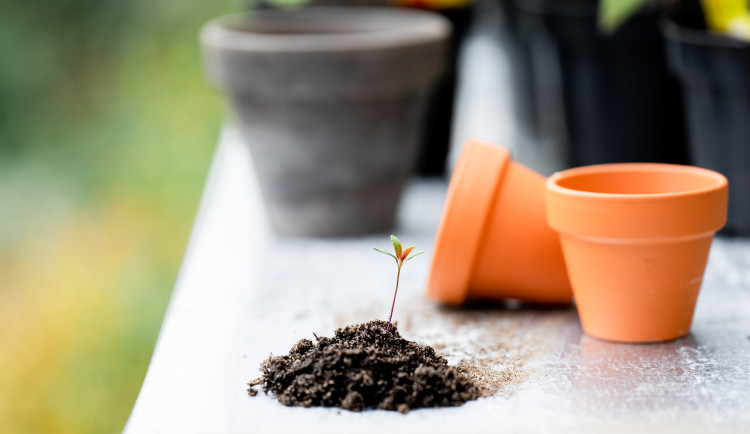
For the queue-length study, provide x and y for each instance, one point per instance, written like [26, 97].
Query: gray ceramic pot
[330, 101]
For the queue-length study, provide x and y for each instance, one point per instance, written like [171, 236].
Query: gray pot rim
[332, 28]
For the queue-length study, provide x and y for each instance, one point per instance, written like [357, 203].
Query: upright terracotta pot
[493, 241]
[636, 238]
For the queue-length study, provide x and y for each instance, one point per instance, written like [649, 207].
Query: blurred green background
[107, 128]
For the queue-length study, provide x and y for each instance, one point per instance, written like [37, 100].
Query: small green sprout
[401, 257]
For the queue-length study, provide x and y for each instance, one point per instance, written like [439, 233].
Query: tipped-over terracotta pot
[636, 239]
[493, 241]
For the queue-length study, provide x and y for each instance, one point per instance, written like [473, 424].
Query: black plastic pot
[715, 75]
[522, 85]
[602, 98]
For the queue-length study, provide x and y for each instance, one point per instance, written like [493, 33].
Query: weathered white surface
[244, 294]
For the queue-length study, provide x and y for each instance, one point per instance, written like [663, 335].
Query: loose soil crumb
[363, 366]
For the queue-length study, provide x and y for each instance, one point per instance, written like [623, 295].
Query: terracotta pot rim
[479, 159]
[554, 181]
[324, 29]
[685, 200]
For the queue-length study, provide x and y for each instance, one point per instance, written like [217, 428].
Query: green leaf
[397, 245]
[387, 253]
[613, 13]
[413, 256]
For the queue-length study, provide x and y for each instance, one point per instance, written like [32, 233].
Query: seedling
[401, 257]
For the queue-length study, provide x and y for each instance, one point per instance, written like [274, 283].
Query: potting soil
[364, 366]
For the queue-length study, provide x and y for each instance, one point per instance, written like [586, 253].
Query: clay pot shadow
[506, 305]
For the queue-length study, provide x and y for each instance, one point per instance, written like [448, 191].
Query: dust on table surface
[490, 342]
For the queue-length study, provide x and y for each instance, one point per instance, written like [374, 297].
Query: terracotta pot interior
[640, 181]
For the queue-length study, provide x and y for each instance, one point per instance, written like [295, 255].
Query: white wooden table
[244, 293]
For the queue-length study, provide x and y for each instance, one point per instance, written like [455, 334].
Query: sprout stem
[398, 276]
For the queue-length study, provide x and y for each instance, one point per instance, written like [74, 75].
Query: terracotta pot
[493, 241]
[636, 239]
[330, 101]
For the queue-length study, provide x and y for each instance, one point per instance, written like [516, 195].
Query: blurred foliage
[728, 17]
[614, 13]
[107, 127]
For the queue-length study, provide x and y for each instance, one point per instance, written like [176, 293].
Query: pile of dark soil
[364, 366]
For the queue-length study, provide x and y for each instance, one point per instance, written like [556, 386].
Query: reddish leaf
[406, 252]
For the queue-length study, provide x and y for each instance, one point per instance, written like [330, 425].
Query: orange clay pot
[493, 241]
[636, 238]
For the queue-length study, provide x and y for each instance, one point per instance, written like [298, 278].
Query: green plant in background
[106, 132]
[728, 17]
[613, 13]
